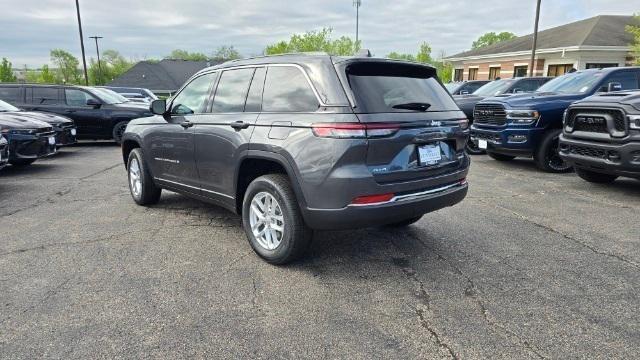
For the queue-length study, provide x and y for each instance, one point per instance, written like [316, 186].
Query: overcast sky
[151, 29]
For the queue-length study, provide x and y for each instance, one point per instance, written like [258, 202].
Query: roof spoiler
[364, 53]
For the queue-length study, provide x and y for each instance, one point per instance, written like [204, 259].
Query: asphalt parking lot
[530, 265]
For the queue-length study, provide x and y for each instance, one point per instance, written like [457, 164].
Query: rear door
[89, 119]
[45, 98]
[225, 130]
[416, 129]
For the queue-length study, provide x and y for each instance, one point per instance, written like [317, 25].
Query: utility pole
[357, 4]
[99, 82]
[84, 58]
[535, 39]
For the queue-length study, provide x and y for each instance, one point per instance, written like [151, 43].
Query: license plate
[73, 132]
[429, 154]
[52, 140]
[482, 144]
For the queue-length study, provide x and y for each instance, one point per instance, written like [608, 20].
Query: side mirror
[464, 92]
[614, 86]
[94, 103]
[158, 107]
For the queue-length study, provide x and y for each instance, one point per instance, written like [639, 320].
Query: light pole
[535, 39]
[357, 4]
[99, 82]
[84, 59]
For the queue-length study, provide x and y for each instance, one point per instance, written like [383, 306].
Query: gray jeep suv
[297, 143]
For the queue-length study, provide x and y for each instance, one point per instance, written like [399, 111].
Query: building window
[494, 73]
[601, 65]
[520, 71]
[458, 75]
[558, 70]
[473, 74]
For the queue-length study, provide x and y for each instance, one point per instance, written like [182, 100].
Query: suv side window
[45, 96]
[75, 97]
[527, 85]
[193, 97]
[231, 93]
[11, 94]
[287, 90]
[254, 99]
[628, 80]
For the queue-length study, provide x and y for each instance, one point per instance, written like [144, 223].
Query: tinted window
[526, 85]
[193, 97]
[11, 94]
[573, 83]
[628, 80]
[232, 91]
[254, 99]
[45, 96]
[471, 87]
[494, 88]
[390, 87]
[76, 97]
[287, 90]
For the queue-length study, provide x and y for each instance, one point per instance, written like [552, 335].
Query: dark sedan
[28, 139]
[64, 127]
[4, 152]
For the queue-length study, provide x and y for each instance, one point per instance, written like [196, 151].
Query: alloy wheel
[266, 220]
[553, 158]
[135, 178]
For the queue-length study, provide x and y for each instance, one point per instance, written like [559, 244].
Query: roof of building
[165, 75]
[602, 30]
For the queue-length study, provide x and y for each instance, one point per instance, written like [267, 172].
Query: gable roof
[162, 76]
[602, 30]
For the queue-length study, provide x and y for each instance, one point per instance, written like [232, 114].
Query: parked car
[28, 139]
[64, 127]
[297, 143]
[97, 113]
[601, 136]
[134, 94]
[465, 87]
[502, 87]
[529, 125]
[4, 152]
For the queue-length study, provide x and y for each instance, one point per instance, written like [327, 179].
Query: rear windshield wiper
[418, 106]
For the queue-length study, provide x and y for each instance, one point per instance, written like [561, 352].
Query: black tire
[547, 156]
[404, 223]
[296, 236]
[500, 157]
[118, 131]
[473, 149]
[21, 162]
[594, 177]
[149, 193]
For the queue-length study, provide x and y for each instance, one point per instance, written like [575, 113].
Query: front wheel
[141, 185]
[595, 177]
[118, 131]
[272, 220]
[547, 157]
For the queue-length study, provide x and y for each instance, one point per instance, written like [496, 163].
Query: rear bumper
[614, 159]
[404, 207]
[500, 140]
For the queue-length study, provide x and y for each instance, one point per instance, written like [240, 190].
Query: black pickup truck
[601, 136]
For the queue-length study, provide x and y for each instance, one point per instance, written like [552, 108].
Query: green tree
[424, 54]
[635, 45]
[112, 65]
[315, 41]
[399, 56]
[226, 53]
[46, 76]
[179, 54]
[491, 38]
[67, 66]
[6, 71]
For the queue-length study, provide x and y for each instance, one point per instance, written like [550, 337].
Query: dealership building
[597, 42]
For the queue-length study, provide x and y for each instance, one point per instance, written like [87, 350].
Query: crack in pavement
[81, 242]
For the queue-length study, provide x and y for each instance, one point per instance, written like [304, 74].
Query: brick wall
[506, 67]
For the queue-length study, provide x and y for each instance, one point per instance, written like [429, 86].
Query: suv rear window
[11, 94]
[390, 87]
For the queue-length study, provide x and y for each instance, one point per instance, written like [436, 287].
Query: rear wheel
[595, 177]
[21, 162]
[473, 149]
[500, 157]
[547, 157]
[404, 223]
[141, 185]
[272, 220]
[118, 131]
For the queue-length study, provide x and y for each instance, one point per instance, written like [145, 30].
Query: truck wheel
[141, 185]
[473, 149]
[404, 223]
[547, 156]
[500, 157]
[272, 220]
[594, 177]
[21, 162]
[118, 131]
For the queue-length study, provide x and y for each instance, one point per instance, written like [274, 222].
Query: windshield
[108, 96]
[4, 107]
[494, 88]
[452, 87]
[573, 83]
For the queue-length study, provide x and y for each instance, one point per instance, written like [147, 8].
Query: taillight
[372, 199]
[354, 130]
